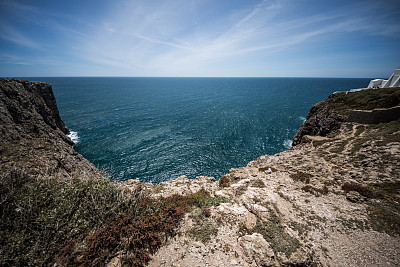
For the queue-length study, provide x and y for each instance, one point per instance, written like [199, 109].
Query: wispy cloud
[190, 38]
[28, 61]
[13, 35]
[260, 30]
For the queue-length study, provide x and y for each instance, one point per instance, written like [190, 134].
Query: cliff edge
[32, 134]
[331, 200]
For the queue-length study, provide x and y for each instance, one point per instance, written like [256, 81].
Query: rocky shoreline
[331, 200]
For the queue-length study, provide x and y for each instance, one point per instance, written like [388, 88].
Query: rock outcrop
[32, 134]
[29, 109]
[365, 106]
[321, 121]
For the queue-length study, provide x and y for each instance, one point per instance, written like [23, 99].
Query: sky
[199, 38]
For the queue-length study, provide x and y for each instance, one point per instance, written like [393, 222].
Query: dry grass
[46, 220]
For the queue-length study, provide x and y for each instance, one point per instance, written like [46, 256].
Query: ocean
[156, 129]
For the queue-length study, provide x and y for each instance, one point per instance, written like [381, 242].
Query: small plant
[257, 183]
[274, 234]
[241, 190]
[224, 181]
[202, 229]
[301, 176]
[364, 191]
[316, 191]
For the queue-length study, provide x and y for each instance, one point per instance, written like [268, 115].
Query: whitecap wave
[303, 119]
[287, 143]
[73, 136]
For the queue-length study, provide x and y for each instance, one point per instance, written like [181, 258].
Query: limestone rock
[257, 250]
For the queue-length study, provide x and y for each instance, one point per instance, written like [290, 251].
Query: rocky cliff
[32, 133]
[331, 200]
[328, 116]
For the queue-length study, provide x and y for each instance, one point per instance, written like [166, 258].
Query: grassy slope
[366, 100]
[46, 220]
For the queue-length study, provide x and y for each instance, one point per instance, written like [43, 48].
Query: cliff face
[366, 106]
[28, 109]
[32, 133]
[321, 121]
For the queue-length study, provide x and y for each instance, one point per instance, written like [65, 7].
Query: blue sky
[282, 38]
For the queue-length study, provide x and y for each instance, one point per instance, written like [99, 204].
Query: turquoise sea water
[156, 129]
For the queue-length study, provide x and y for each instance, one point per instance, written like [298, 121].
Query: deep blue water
[156, 129]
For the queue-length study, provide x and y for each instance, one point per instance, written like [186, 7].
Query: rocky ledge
[331, 200]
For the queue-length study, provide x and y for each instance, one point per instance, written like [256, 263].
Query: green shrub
[41, 215]
[85, 222]
[202, 229]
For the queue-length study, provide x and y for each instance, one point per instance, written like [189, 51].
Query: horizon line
[288, 77]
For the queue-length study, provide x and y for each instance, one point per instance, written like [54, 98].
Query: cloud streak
[207, 38]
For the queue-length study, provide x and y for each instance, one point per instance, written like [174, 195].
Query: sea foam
[73, 136]
[303, 119]
[287, 143]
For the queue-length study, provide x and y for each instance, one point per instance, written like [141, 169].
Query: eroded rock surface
[32, 133]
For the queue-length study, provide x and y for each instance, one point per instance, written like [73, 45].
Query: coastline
[329, 201]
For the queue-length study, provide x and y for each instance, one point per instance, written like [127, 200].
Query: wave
[73, 136]
[303, 119]
[287, 143]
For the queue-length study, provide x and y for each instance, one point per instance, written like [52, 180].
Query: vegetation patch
[360, 129]
[273, 233]
[299, 227]
[224, 181]
[387, 189]
[241, 190]
[301, 176]
[366, 100]
[353, 223]
[39, 217]
[203, 228]
[385, 217]
[363, 190]
[46, 220]
[257, 183]
[339, 146]
[317, 143]
[315, 191]
[382, 133]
